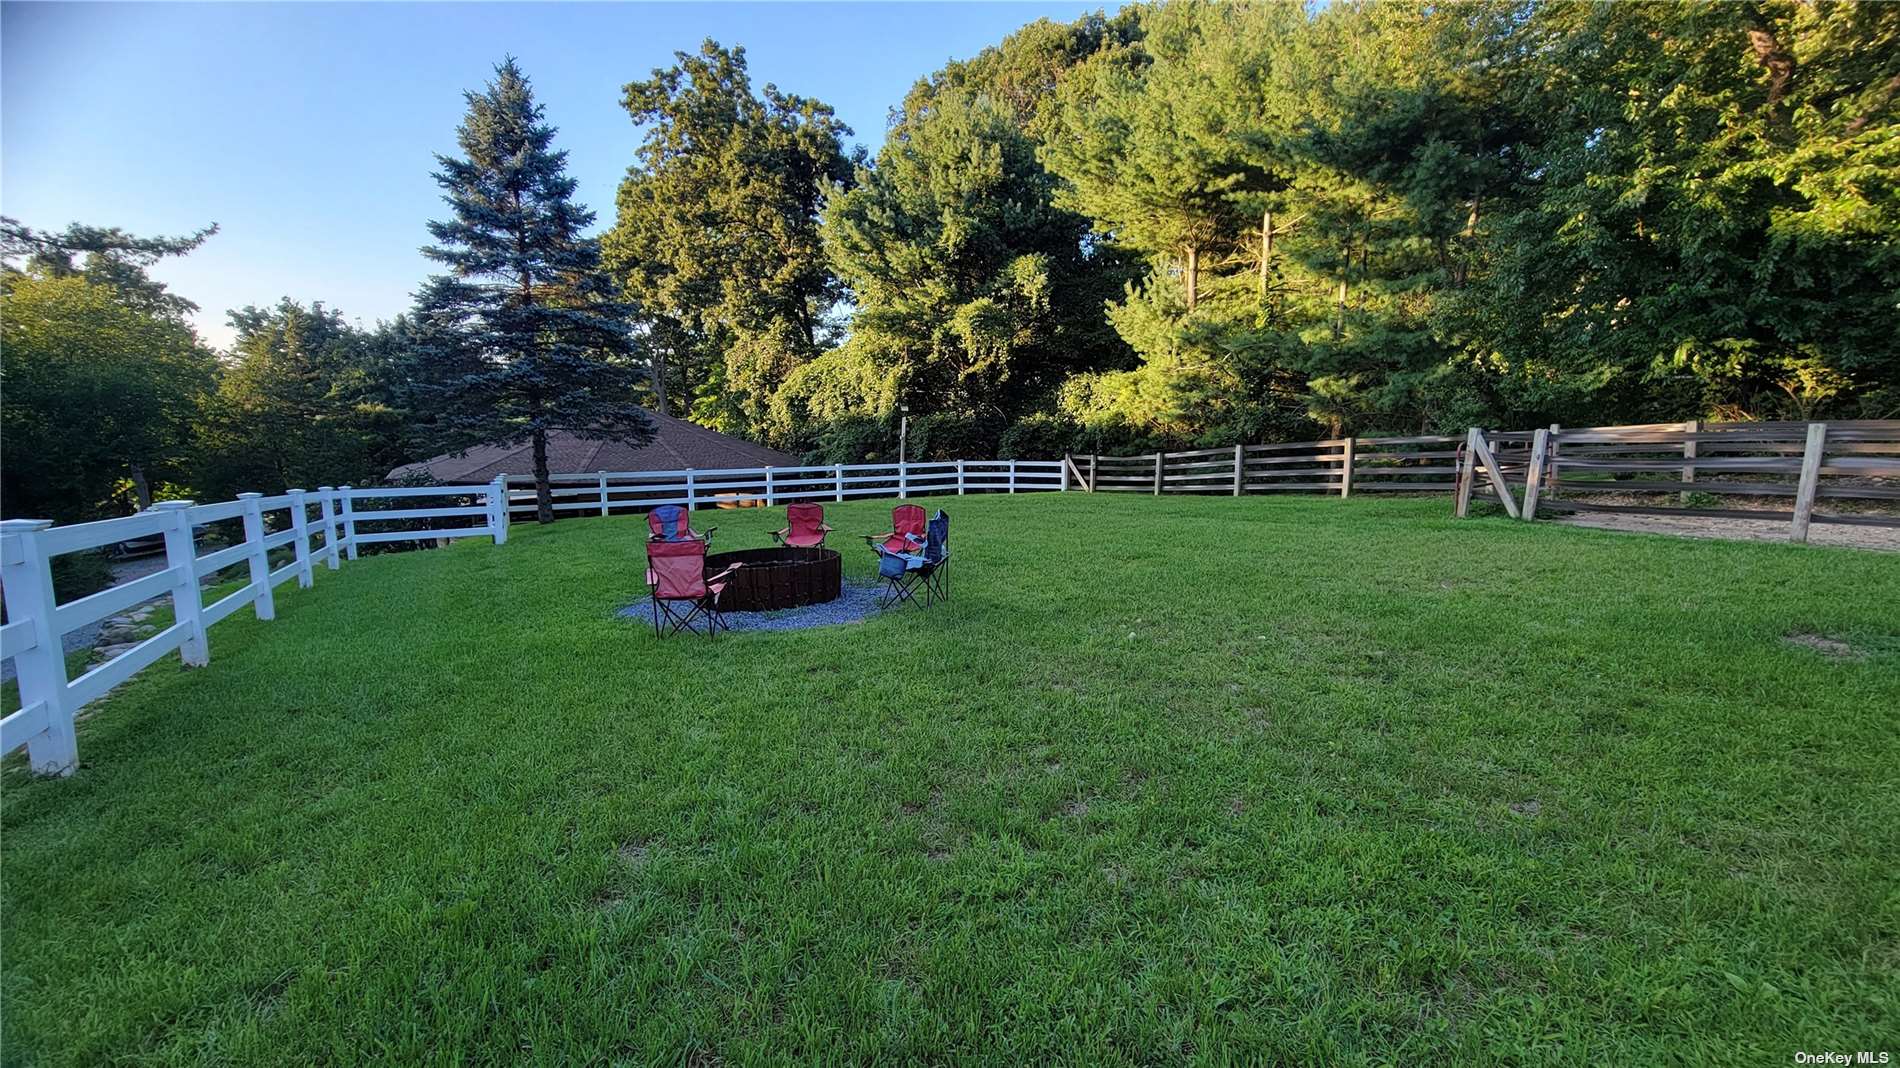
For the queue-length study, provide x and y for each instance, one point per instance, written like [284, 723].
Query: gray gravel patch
[857, 603]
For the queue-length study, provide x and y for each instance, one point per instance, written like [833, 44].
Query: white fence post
[691, 502]
[1064, 471]
[1810, 484]
[1012, 476]
[187, 606]
[349, 521]
[498, 509]
[903, 479]
[26, 574]
[837, 472]
[327, 497]
[300, 523]
[264, 605]
[959, 478]
[770, 500]
[603, 493]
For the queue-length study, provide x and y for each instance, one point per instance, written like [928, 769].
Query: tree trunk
[1266, 248]
[658, 374]
[141, 487]
[1193, 275]
[543, 493]
[1777, 60]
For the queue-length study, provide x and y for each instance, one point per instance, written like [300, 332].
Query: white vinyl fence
[606, 492]
[327, 526]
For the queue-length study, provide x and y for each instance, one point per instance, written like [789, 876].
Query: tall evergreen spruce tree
[539, 340]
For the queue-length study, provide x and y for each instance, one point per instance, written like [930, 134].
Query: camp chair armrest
[779, 534]
[723, 575]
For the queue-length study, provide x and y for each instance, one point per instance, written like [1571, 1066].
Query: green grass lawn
[1286, 780]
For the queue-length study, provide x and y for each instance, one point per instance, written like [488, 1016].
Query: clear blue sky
[307, 130]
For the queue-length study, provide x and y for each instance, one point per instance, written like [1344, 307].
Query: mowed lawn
[1181, 780]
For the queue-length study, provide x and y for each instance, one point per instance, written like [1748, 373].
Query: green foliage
[1506, 213]
[1708, 216]
[527, 334]
[717, 236]
[972, 288]
[99, 402]
[304, 401]
[113, 258]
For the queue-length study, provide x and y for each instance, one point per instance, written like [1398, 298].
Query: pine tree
[537, 339]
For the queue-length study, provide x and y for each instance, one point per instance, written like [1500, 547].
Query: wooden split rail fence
[1666, 468]
[1555, 469]
[1339, 466]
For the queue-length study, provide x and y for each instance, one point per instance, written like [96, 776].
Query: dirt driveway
[1886, 539]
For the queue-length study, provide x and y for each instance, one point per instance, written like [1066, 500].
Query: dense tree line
[1183, 223]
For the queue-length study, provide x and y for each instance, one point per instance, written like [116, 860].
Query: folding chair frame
[672, 615]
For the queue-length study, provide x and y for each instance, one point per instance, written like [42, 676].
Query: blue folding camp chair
[926, 570]
[670, 522]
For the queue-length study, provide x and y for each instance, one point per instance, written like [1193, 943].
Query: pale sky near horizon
[307, 131]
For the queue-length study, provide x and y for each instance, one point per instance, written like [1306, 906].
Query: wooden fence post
[1092, 458]
[1158, 467]
[1534, 475]
[187, 606]
[1467, 466]
[264, 605]
[1810, 481]
[1345, 471]
[1493, 473]
[1550, 459]
[1694, 428]
[499, 513]
[300, 524]
[349, 521]
[1240, 466]
[26, 576]
[603, 493]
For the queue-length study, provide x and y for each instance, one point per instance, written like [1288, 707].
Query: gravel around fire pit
[856, 603]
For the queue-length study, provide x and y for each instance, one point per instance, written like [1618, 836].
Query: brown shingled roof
[677, 445]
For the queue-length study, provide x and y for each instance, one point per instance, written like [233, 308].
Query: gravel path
[857, 603]
[86, 637]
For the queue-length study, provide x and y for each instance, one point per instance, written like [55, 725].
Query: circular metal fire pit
[778, 578]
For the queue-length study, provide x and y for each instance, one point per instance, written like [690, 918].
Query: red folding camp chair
[907, 531]
[805, 526]
[670, 522]
[682, 591]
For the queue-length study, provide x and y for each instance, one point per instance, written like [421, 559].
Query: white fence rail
[326, 527]
[607, 492]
